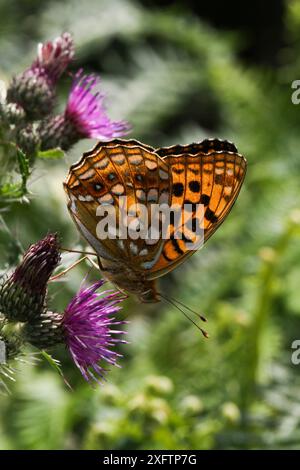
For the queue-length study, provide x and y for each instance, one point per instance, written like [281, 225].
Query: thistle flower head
[85, 109]
[84, 117]
[38, 263]
[54, 56]
[87, 324]
[22, 295]
[34, 89]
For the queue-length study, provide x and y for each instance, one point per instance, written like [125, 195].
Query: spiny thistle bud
[45, 332]
[57, 132]
[22, 295]
[28, 139]
[13, 113]
[84, 117]
[34, 91]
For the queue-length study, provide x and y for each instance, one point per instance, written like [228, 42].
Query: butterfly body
[129, 281]
[208, 174]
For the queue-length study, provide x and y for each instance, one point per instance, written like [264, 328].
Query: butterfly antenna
[190, 309]
[171, 302]
[90, 253]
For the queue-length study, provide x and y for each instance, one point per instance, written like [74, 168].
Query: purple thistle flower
[86, 110]
[84, 117]
[87, 323]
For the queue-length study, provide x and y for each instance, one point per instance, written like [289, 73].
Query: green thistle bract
[22, 294]
[45, 332]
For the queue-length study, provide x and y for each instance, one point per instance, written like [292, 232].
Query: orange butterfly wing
[213, 179]
[210, 173]
[110, 170]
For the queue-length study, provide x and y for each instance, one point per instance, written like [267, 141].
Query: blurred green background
[179, 72]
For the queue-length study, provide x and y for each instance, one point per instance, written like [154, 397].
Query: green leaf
[23, 167]
[12, 191]
[53, 154]
[56, 365]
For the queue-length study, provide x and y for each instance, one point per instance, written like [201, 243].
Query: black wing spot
[194, 224]
[97, 187]
[219, 179]
[204, 199]
[211, 216]
[167, 257]
[139, 177]
[111, 176]
[217, 145]
[185, 238]
[194, 186]
[178, 171]
[176, 245]
[172, 218]
[178, 189]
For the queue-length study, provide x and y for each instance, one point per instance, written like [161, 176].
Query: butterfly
[209, 174]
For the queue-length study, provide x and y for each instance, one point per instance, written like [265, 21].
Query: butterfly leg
[78, 251]
[65, 271]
